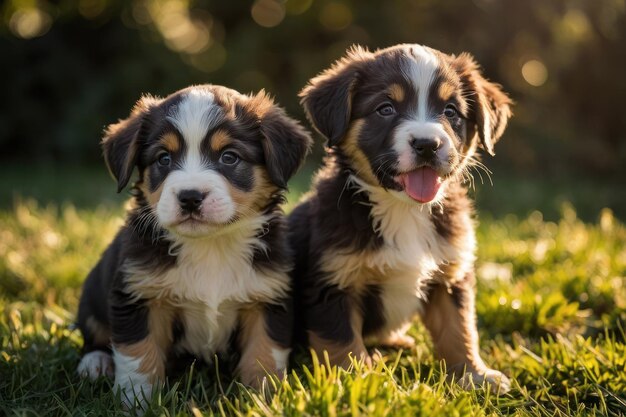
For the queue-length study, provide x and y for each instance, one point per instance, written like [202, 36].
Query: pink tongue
[422, 184]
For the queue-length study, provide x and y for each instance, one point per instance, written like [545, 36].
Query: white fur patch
[194, 116]
[420, 71]
[96, 364]
[406, 262]
[281, 358]
[411, 129]
[217, 208]
[212, 278]
[133, 384]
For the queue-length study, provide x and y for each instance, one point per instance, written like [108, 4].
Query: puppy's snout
[425, 148]
[190, 200]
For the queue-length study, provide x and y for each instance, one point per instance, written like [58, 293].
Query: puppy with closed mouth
[387, 232]
[201, 265]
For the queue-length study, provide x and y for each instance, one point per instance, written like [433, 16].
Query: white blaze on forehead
[195, 115]
[420, 70]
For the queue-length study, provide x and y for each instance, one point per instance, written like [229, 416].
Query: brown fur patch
[260, 103]
[347, 270]
[152, 197]
[339, 354]
[396, 92]
[219, 140]
[101, 333]
[160, 322]
[152, 351]
[250, 202]
[453, 328]
[357, 158]
[256, 348]
[453, 220]
[446, 90]
[170, 142]
[152, 359]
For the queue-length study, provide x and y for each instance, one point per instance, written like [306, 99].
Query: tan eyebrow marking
[396, 92]
[446, 90]
[170, 142]
[219, 140]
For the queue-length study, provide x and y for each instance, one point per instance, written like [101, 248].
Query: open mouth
[421, 184]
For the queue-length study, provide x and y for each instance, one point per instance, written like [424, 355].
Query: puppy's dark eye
[164, 159]
[229, 158]
[385, 110]
[450, 111]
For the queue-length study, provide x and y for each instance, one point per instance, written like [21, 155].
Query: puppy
[202, 261]
[387, 232]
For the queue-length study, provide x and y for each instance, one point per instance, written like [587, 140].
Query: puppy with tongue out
[422, 184]
[386, 235]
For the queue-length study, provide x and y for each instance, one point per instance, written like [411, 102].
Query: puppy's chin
[195, 229]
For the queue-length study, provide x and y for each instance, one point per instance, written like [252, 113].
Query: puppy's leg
[264, 342]
[397, 338]
[138, 366]
[142, 337]
[450, 318]
[335, 325]
[96, 360]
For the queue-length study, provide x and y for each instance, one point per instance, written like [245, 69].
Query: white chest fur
[212, 279]
[410, 255]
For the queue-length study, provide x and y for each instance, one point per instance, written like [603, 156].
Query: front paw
[498, 382]
[134, 395]
[95, 364]
[399, 341]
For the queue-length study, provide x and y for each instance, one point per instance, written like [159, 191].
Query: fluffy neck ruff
[398, 220]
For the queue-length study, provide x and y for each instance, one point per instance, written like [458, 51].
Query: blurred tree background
[70, 67]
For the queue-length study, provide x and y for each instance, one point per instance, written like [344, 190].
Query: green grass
[551, 309]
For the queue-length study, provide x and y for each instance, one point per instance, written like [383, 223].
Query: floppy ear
[121, 142]
[327, 98]
[490, 107]
[285, 141]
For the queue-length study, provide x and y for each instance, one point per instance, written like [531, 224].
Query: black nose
[190, 200]
[426, 148]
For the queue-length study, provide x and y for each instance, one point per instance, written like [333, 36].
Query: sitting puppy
[387, 232]
[203, 258]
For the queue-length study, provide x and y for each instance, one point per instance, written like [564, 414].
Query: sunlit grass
[551, 309]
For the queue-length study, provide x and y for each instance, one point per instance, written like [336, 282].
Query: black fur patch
[129, 318]
[328, 313]
[448, 217]
[279, 321]
[373, 310]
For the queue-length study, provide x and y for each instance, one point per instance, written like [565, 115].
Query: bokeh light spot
[298, 6]
[141, 13]
[268, 13]
[576, 24]
[90, 9]
[535, 72]
[211, 60]
[181, 32]
[30, 23]
[335, 16]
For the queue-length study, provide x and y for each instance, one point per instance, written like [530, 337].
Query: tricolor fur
[201, 265]
[387, 232]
